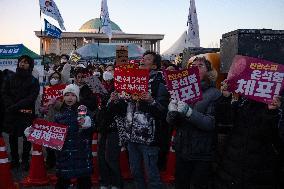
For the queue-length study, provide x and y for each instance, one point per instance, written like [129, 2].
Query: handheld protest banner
[184, 85]
[121, 55]
[48, 134]
[95, 85]
[52, 92]
[132, 81]
[257, 79]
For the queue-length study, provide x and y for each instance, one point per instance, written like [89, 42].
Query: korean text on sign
[8, 50]
[48, 134]
[52, 92]
[184, 85]
[258, 80]
[133, 81]
[129, 66]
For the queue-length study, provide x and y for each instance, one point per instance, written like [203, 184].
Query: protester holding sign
[19, 93]
[75, 159]
[144, 123]
[52, 107]
[109, 145]
[52, 91]
[251, 151]
[87, 97]
[108, 78]
[195, 129]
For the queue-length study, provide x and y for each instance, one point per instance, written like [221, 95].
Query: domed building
[94, 26]
[90, 32]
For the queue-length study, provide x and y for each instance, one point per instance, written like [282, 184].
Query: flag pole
[41, 34]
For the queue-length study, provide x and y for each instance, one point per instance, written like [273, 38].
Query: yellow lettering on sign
[274, 67]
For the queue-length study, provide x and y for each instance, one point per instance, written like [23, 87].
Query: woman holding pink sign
[195, 132]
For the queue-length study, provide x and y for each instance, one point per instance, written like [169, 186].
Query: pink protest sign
[184, 85]
[257, 79]
[48, 134]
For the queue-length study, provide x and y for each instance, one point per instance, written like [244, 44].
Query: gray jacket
[195, 135]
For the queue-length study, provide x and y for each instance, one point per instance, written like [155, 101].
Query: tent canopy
[15, 51]
[178, 46]
[107, 51]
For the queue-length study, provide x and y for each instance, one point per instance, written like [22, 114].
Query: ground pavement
[19, 174]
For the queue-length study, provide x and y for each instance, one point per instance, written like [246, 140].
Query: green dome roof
[94, 25]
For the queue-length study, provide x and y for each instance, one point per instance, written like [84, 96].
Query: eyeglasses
[198, 65]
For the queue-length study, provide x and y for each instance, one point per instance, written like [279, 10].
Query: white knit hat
[72, 88]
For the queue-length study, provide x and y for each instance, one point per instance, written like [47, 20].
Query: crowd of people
[250, 157]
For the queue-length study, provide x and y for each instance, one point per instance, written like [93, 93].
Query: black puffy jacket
[19, 95]
[251, 149]
[75, 158]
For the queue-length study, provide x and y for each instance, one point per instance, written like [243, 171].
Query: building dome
[94, 25]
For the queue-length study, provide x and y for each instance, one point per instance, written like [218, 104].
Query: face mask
[107, 76]
[97, 74]
[53, 81]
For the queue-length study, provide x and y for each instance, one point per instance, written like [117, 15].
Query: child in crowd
[75, 159]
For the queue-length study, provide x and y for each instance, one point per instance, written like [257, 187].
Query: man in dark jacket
[19, 95]
[143, 118]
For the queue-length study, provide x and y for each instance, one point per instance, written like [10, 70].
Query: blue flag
[51, 30]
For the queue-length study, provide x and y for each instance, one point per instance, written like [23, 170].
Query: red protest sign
[48, 134]
[133, 81]
[184, 85]
[257, 79]
[52, 92]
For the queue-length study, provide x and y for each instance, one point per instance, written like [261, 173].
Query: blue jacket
[75, 158]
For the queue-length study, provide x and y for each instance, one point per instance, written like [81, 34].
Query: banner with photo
[257, 79]
[49, 8]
